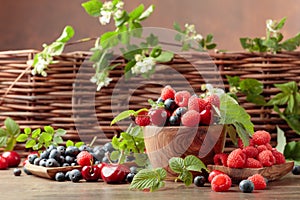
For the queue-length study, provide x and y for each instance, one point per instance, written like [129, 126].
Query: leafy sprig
[38, 139]
[9, 134]
[273, 41]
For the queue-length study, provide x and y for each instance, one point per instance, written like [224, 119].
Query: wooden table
[32, 187]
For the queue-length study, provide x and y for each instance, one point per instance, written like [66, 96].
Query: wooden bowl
[163, 143]
[271, 173]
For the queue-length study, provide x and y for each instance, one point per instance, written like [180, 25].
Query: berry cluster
[180, 108]
[258, 154]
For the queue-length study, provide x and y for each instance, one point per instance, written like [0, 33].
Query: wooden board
[48, 172]
[271, 173]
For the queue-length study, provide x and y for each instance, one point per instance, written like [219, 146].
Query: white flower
[120, 5]
[138, 57]
[104, 82]
[108, 5]
[143, 66]
[198, 37]
[270, 26]
[118, 14]
[105, 17]
[190, 28]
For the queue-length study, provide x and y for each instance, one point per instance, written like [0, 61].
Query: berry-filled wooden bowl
[163, 143]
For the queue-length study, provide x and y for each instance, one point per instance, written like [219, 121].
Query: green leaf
[281, 140]
[79, 144]
[36, 133]
[92, 7]
[136, 132]
[27, 130]
[122, 115]
[165, 56]
[152, 40]
[230, 130]
[109, 39]
[177, 27]
[137, 12]
[234, 81]
[147, 13]
[49, 129]
[30, 143]
[3, 137]
[69, 143]
[257, 99]
[115, 155]
[280, 24]
[66, 35]
[193, 163]
[10, 144]
[57, 140]
[292, 43]
[146, 178]
[210, 46]
[22, 138]
[45, 137]
[60, 132]
[176, 164]
[292, 151]
[279, 99]
[242, 132]
[245, 43]
[252, 86]
[186, 177]
[12, 127]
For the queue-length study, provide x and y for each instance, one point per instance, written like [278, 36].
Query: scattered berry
[279, 157]
[296, 170]
[246, 186]
[75, 175]
[17, 172]
[221, 183]
[130, 177]
[250, 151]
[236, 159]
[182, 98]
[191, 118]
[199, 181]
[214, 173]
[84, 158]
[258, 181]
[253, 163]
[26, 171]
[142, 119]
[266, 158]
[261, 137]
[158, 117]
[180, 111]
[3, 163]
[221, 159]
[60, 176]
[167, 93]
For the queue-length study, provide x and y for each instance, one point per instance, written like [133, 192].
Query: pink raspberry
[182, 98]
[266, 158]
[221, 159]
[261, 137]
[253, 163]
[236, 159]
[261, 148]
[221, 183]
[241, 145]
[191, 118]
[214, 100]
[250, 151]
[279, 157]
[167, 93]
[258, 181]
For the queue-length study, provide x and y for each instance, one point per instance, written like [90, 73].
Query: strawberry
[158, 116]
[182, 98]
[191, 118]
[167, 93]
[142, 119]
[84, 158]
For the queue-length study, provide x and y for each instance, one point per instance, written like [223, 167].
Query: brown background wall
[30, 23]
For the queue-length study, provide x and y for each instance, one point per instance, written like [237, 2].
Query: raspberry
[213, 173]
[279, 157]
[158, 117]
[269, 146]
[221, 159]
[196, 103]
[84, 158]
[167, 93]
[258, 181]
[206, 117]
[266, 158]
[142, 119]
[221, 183]
[250, 151]
[214, 100]
[261, 137]
[253, 163]
[261, 148]
[236, 159]
[182, 98]
[190, 118]
[241, 145]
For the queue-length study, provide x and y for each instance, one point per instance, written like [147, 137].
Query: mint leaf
[123, 115]
[22, 138]
[292, 151]
[137, 12]
[165, 56]
[45, 137]
[3, 137]
[30, 143]
[49, 129]
[60, 132]
[281, 140]
[69, 143]
[115, 155]
[149, 179]
[79, 144]
[27, 130]
[193, 163]
[186, 177]
[57, 140]
[147, 13]
[92, 7]
[36, 133]
[66, 35]
[176, 164]
[12, 127]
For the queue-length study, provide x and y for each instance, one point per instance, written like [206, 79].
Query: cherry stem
[93, 141]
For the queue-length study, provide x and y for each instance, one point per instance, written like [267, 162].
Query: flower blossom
[143, 65]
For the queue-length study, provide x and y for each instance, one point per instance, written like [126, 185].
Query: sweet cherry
[91, 173]
[12, 157]
[114, 173]
[3, 163]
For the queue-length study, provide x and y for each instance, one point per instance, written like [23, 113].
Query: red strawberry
[236, 159]
[279, 157]
[253, 163]
[84, 158]
[266, 158]
[206, 117]
[258, 181]
[191, 118]
[261, 137]
[221, 159]
[158, 117]
[142, 119]
[221, 183]
[182, 98]
[167, 93]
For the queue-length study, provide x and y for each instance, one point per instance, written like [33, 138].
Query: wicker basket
[36, 101]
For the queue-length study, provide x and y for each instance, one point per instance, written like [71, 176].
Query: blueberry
[51, 162]
[199, 181]
[65, 165]
[55, 154]
[45, 155]
[72, 151]
[61, 150]
[74, 164]
[180, 111]
[26, 171]
[85, 148]
[246, 186]
[108, 147]
[174, 120]
[105, 160]
[60, 176]
[31, 158]
[43, 162]
[296, 170]
[133, 170]
[170, 105]
[50, 148]
[61, 160]
[159, 100]
[67, 176]
[130, 177]
[69, 159]
[99, 154]
[17, 172]
[75, 175]
[37, 161]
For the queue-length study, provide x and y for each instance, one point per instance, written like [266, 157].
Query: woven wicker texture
[67, 100]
